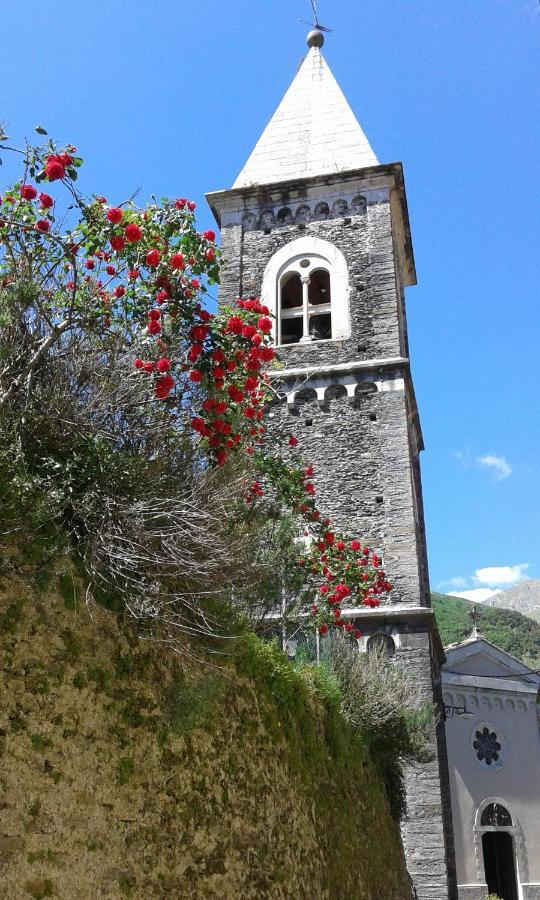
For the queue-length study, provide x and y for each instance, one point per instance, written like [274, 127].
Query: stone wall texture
[365, 449]
[129, 772]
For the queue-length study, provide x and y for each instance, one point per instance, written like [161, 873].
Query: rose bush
[141, 276]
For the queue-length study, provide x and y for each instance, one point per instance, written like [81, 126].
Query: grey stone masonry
[351, 404]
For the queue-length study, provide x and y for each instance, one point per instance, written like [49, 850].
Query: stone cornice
[389, 175]
[347, 368]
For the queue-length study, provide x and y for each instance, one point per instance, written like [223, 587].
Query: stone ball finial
[315, 38]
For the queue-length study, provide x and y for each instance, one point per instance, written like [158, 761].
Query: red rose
[45, 201]
[152, 257]
[163, 365]
[153, 327]
[191, 206]
[110, 270]
[293, 441]
[54, 168]
[267, 354]
[323, 629]
[119, 291]
[133, 233]
[43, 226]
[235, 325]
[195, 376]
[177, 261]
[358, 634]
[354, 545]
[154, 314]
[163, 386]
[28, 192]
[117, 242]
[133, 273]
[138, 363]
[180, 203]
[194, 352]
[197, 423]
[114, 215]
[221, 455]
[209, 235]
[210, 254]
[148, 366]
[265, 324]
[248, 331]
[65, 159]
[89, 264]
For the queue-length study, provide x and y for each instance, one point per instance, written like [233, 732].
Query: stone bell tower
[318, 228]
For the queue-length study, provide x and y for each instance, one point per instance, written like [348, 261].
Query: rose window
[487, 746]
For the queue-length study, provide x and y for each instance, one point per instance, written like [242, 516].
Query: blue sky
[170, 97]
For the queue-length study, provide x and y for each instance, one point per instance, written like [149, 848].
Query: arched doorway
[499, 852]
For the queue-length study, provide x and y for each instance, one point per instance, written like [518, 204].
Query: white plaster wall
[515, 783]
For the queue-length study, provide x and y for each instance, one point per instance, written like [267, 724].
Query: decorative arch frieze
[276, 216]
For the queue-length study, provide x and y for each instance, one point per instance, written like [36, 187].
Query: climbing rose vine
[144, 273]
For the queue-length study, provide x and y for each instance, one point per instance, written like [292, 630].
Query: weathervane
[316, 24]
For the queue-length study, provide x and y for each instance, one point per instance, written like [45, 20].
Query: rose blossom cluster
[146, 269]
[343, 571]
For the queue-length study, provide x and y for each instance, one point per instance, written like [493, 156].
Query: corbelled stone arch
[326, 256]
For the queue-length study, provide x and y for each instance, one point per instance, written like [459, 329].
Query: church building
[318, 228]
[492, 719]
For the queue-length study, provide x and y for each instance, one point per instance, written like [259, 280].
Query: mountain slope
[509, 630]
[523, 597]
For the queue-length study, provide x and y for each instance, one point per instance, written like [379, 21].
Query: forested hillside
[509, 630]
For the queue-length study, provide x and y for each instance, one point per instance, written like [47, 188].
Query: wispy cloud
[497, 464]
[478, 595]
[495, 576]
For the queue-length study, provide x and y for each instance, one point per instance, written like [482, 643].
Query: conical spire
[312, 132]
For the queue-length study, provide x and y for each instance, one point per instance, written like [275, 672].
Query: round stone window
[487, 745]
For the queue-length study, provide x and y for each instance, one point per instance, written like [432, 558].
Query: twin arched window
[306, 287]
[305, 302]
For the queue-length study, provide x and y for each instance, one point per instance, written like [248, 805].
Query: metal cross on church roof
[473, 615]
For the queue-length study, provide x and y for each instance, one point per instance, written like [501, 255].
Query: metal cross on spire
[316, 24]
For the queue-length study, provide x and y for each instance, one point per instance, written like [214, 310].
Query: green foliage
[68, 589]
[191, 704]
[378, 700]
[507, 629]
[79, 680]
[39, 742]
[72, 644]
[11, 617]
[100, 676]
[125, 770]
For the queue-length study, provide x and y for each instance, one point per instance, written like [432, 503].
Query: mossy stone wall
[127, 771]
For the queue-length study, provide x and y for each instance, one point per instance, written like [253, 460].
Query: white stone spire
[312, 132]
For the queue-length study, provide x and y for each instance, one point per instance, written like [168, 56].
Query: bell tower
[319, 228]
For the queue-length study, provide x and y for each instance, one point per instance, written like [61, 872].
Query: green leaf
[40, 129]
[72, 173]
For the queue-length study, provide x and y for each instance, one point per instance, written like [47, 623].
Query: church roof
[312, 132]
[478, 657]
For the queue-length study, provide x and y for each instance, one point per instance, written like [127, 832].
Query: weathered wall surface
[128, 773]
